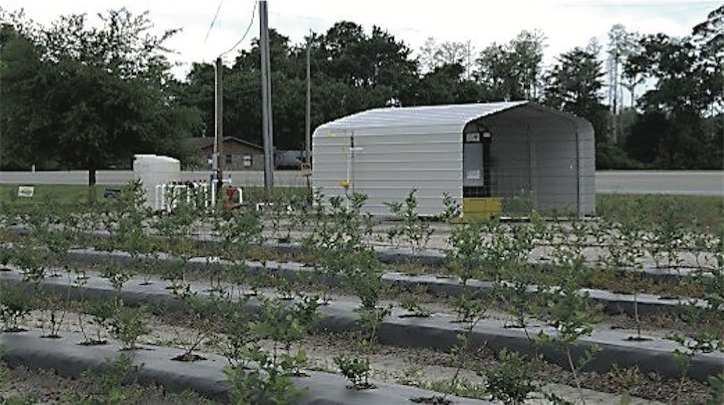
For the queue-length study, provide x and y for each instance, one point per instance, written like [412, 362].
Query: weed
[716, 389]
[626, 377]
[112, 386]
[702, 342]
[411, 376]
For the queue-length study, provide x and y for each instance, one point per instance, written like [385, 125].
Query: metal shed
[473, 152]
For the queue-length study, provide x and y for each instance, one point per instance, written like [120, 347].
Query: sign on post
[26, 191]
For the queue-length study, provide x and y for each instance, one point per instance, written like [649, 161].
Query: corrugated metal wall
[548, 155]
[587, 175]
[388, 163]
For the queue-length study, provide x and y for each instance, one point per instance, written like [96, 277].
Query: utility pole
[308, 114]
[266, 111]
[218, 128]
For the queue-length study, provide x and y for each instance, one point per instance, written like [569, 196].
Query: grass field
[694, 213]
[700, 213]
[62, 194]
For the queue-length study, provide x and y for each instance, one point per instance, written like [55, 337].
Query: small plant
[571, 313]
[469, 307]
[238, 231]
[411, 376]
[518, 301]
[411, 301]
[239, 336]
[665, 239]
[467, 252]
[117, 275]
[176, 228]
[711, 286]
[265, 383]
[16, 303]
[101, 313]
[53, 310]
[128, 324]
[30, 260]
[624, 254]
[626, 377]
[412, 229]
[452, 209]
[471, 311]
[203, 315]
[270, 380]
[511, 379]
[355, 369]
[364, 275]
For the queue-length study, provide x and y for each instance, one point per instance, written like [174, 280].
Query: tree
[574, 85]
[22, 75]
[621, 46]
[444, 85]
[96, 96]
[428, 59]
[513, 71]
[687, 92]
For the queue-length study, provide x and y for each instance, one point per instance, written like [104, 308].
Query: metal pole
[215, 154]
[308, 115]
[266, 112]
[219, 138]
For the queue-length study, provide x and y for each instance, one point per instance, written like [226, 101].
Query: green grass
[693, 213]
[61, 194]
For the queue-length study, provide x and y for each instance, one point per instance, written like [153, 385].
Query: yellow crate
[480, 208]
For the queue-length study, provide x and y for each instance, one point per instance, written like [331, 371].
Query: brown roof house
[237, 154]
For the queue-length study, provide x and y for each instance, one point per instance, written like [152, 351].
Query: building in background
[237, 154]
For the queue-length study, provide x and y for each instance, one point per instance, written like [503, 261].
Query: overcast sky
[565, 23]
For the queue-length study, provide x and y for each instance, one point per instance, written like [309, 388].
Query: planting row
[336, 247]
[632, 242]
[438, 331]
[290, 273]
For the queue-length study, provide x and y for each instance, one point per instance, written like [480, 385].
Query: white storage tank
[153, 170]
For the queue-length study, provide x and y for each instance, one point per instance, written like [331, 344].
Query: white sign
[473, 175]
[26, 191]
[473, 137]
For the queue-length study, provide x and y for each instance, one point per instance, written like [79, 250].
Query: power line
[657, 4]
[245, 33]
[214, 20]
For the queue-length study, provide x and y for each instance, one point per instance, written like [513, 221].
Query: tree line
[76, 96]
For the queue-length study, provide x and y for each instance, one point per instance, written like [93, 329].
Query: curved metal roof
[437, 115]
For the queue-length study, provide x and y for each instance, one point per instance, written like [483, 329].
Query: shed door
[476, 165]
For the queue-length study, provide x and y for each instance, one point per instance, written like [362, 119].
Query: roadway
[623, 182]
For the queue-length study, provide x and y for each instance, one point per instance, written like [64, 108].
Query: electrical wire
[641, 4]
[253, 12]
[214, 20]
